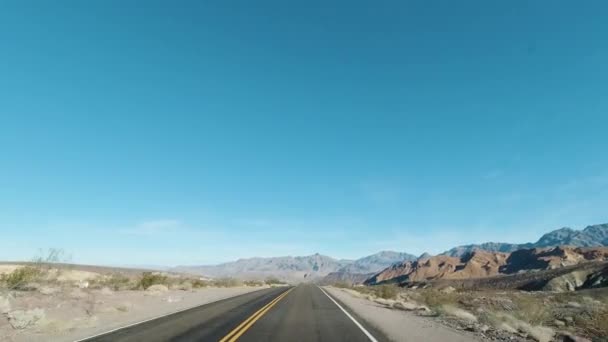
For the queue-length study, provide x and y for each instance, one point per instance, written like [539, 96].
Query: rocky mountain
[591, 236]
[482, 264]
[288, 268]
[345, 277]
[376, 262]
[299, 268]
[361, 269]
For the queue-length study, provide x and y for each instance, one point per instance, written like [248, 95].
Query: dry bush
[148, 279]
[20, 277]
[342, 285]
[197, 283]
[226, 282]
[253, 283]
[273, 281]
[436, 299]
[116, 282]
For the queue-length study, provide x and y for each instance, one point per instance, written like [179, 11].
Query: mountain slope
[591, 236]
[376, 262]
[483, 264]
[300, 268]
[286, 268]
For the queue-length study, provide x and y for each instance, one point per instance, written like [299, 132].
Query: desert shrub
[342, 284]
[20, 277]
[437, 299]
[148, 279]
[532, 309]
[226, 282]
[115, 282]
[387, 291]
[273, 281]
[197, 284]
[253, 283]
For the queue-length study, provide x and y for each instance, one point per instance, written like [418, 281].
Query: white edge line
[153, 318]
[367, 333]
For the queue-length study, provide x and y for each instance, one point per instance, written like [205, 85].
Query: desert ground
[69, 302]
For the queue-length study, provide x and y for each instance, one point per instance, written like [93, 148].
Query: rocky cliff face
[482, 264]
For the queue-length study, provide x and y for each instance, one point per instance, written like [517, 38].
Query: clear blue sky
[203, 131]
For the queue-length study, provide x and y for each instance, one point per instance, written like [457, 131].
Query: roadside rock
[21, 319]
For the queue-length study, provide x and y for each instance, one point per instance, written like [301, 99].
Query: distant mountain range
[592, 236]
[298, 268]
[317, 266]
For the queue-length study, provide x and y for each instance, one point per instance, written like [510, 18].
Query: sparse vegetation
[116, 282]
[581, 313]
[149, 278]
[19, 278]
[273, 281]
[226, 282]
[342, 285]
[253, 283]
[197, 284]
[386, 291]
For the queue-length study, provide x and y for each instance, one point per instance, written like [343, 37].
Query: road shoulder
[397, 325]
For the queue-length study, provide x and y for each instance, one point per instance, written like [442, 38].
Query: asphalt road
[301, 313]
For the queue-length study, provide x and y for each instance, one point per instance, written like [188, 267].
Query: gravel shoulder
[399, 325]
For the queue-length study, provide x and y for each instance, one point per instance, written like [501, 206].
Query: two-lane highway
[301, 313]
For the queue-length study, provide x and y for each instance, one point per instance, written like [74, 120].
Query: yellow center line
[246, 324]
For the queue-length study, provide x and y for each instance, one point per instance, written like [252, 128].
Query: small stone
[568, 319]
[559, 323]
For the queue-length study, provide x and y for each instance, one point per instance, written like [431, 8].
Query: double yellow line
[240, 330]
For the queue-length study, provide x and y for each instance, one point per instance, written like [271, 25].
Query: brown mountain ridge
[483, 264]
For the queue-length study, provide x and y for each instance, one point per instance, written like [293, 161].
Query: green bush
[148, 279]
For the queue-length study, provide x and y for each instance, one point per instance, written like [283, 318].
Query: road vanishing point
[302, 313]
